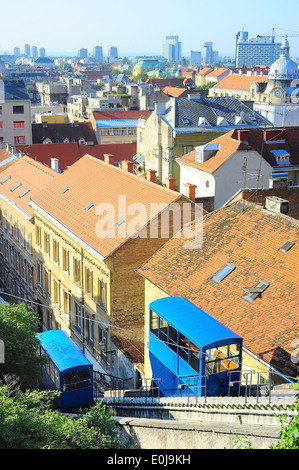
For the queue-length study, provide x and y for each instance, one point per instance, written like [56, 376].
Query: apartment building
[19, 181]
[86, 276]
[15, 112]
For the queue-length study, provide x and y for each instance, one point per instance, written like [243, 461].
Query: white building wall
[280, 115]
[204, 181]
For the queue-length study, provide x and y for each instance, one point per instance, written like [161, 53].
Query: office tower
[195, 58]
[262, 50]
[112, 54]
[17, 51]
[82, 53]
[42, 52]
[172, 49]
[34, 52]
[209, 56]
[98, 53]
[27, 50]
[242, 36]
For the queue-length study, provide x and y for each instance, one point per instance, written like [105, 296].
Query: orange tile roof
[91, 181]
[228, 146]
[204, 71]
[239, 82]
[249, 237]
[32, 175]
[173, 91]
[217, 72]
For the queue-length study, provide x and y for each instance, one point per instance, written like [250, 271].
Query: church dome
[284, 68]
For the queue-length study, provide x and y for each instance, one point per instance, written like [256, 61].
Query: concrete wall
[162, 434]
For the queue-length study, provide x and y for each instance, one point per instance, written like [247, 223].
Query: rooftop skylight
[24, 193]
[15, 187]
[223, 272]
[255, 291]
[6, 179]
[286, 246]
[89, 206]
[64, 190]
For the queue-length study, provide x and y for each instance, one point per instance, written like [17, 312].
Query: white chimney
[55, 164]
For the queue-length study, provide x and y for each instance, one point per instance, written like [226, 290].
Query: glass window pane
[154, 323]
[183, 347]
[194, 353]
[172, 338]
[163, 330]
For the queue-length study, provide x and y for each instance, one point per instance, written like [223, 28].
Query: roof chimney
[55, 164]
[109, 158]
[170, 183]
[127, 166]
[151, 175]
[277, 204]
[190, 190]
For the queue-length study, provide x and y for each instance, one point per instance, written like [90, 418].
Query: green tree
[289, 436]
[18, 327]
[27, 421]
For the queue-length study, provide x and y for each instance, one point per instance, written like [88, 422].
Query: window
[172, 338]
[29, 243]
[23, 236]
[103, 340]
[65, 261]
[47, 243]
[183, 347]
[225, 271]
[154, 328]
[102, 294]
[1, 125]
[19, 139]
[10, 224]
[286, 246]
[39, 274]
[66, 303]
[90, 329]
[88, 281]
[38, 235]
[18, 109]
[222, 358]
[55, 251]
[163, 327]
[16, 230]
[76, 266]
[18, 125]
[79, 316]
[56, 287]
[5, 218]
[194, 353]
[48, 284]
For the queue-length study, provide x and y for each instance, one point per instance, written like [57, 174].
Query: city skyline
[140, 33]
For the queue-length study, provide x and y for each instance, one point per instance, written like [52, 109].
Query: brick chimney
[127, 166]
[190, 190]
[151, 175]
[170, 183]
[109, 158]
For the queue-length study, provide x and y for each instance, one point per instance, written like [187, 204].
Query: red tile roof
[69, 153]
[249, 237]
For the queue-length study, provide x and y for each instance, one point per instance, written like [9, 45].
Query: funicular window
[154, 323]
[222, 358]
[194, 353]
[163, 326]
[183, 347]
[172, 338]
[76, 379]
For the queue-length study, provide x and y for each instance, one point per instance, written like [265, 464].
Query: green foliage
[27, 421]
[18, 327]
[206, 86]
[242, 442]
[289, 435]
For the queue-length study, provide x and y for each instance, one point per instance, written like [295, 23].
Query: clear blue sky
[141, 26]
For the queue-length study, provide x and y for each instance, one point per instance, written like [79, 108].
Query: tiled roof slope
[239, 82]
[32, 175]
[91, 181]
[228, 146]
[58, 132]
[249, 237]
[98, 115]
